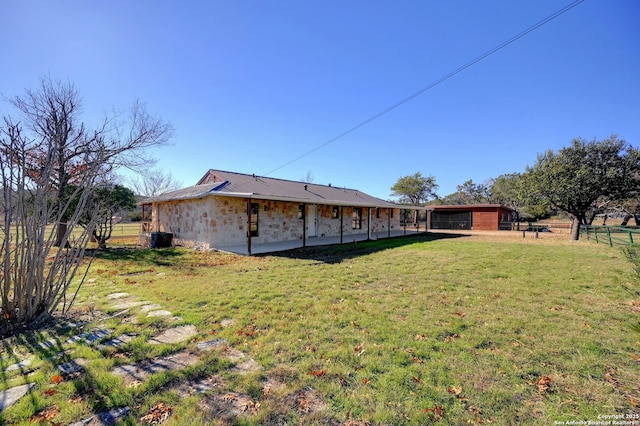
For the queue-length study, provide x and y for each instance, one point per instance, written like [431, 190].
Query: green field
[411, 331]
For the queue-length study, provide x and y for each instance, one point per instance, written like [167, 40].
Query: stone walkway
[134, 375]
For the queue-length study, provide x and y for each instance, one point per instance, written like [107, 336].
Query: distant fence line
[612, 235]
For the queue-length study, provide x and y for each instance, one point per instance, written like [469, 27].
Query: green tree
[575, 178]
[414, 189]
[107, 201]
[470, 193]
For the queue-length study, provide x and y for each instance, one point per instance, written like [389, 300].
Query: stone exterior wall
[212, 222]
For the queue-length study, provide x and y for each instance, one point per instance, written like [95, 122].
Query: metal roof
[231, 184]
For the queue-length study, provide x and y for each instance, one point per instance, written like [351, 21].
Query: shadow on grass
[159, 257]
[48, 344]
[337, 253]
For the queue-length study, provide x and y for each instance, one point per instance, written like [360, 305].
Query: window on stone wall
[335, 213]
[356, 218]
[254, 219]
[377, 213]
[391, 210]
[301, 211]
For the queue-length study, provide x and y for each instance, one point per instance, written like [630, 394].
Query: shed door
[312, 220]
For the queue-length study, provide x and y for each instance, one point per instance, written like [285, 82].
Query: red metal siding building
[479, 217]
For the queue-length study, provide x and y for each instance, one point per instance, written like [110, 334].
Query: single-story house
[477, 217]
[238, 212]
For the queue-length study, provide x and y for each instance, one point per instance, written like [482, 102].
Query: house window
[377, 213]
[335, 213]
[253, 226]
[301, 211]
[391, 210]
[356, 218]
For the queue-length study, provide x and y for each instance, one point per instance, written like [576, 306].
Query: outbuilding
[478, 217]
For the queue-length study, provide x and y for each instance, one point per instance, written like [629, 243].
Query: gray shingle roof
[231, 184]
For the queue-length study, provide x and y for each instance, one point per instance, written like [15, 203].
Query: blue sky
[251, 85]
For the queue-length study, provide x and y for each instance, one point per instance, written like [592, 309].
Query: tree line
[582, 180]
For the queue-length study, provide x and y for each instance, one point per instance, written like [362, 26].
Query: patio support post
[405, 220]
[341, 223]
[368, 223]
[304, 225]
[249, 226]
[389, 223]
[428, 225]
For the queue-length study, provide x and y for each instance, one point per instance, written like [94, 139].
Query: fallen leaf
[460, 314]
[454, 391]
[46, 414]
[365, 381]
[50, 392]
[438, 411]
[318, 373]
[543, 384]
[56, 379]
[157, 414]
[417, 379]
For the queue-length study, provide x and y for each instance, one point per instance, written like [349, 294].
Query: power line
[435, 83]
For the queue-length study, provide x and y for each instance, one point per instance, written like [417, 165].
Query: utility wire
[435, 83]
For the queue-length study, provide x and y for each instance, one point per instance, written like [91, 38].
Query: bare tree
[52, 115]
[35, 277]
[49, 165]
[154, 182]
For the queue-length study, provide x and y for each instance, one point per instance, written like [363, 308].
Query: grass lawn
[456, 330]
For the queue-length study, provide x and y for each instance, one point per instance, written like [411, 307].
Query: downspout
[249, 226]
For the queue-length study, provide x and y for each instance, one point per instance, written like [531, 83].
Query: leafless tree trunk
[35, 276]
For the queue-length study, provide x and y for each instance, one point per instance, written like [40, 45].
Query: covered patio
[263, 248]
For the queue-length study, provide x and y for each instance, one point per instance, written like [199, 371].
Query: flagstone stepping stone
[48, 344]
[201, 386]
[18, 366]
[124, 304]
[227, 322]
[116, 342]
[152, 307]
[107, 418]
[217, 343]
[91, 336]
[12, 395]
[117, 295]
[72, 367]
[247, 366]
[159, 313]
[175, 335]
[232, 354]
[137, 373]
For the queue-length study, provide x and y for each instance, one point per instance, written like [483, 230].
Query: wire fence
[612, 235]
